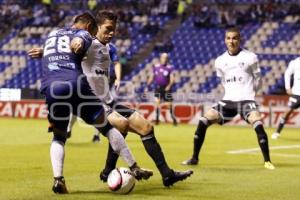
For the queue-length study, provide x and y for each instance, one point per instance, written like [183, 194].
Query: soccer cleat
[104, 175]
[191, 161]
[140, 173]
[59, 186]
[275, 136]
[176, 176]
[96, 138]
[269, 165]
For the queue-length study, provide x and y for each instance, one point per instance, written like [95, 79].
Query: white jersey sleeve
[293, 69]
[287, 75]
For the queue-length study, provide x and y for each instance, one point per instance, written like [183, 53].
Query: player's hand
[35, 52]
[76, 45]
[289, 91]
[117, 84]
[168, 88]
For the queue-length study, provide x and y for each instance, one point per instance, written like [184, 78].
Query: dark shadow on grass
[89, 192]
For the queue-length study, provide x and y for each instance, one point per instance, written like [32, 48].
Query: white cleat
[275, 136]
[269, 165]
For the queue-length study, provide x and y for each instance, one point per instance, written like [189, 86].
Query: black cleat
[140, 173]
[175, 177]
[96, 138]
[59, 186]
[191, 161]
[103, 176]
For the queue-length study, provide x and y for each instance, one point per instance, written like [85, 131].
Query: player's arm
[171, 82]
[219, 72]
[118, 73]
[77, 44]
[256, 74]
[287, 78]
[81, 42]
[36, 52]
[117, 65]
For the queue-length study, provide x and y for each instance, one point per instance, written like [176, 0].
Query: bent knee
[254, 116]
[212, 116]
[139, 124]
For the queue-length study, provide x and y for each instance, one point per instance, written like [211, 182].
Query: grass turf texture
[25, 169]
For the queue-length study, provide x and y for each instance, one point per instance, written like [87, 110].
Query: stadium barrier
[272, 108]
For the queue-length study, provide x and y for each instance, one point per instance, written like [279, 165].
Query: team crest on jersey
[241, 64]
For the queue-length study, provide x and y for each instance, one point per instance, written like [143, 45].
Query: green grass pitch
[25, 171]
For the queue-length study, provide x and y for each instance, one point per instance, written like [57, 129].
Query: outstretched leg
[211, 117]
[281, 124]
[255, 119]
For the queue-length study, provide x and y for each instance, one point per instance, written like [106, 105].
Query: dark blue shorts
[66, 97]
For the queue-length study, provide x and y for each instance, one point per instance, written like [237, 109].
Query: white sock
[119, 145]
[57, 155]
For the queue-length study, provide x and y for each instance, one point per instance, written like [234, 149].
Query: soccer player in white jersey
[294, 92]
[239, 72]
[95, 66]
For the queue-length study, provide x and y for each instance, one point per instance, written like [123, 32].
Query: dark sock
[157, 114]
[172, 115]
[262, 140]
[111, 159]
[154, 151]
[281, 125]
[199, 138]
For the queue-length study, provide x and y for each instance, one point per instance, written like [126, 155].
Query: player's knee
[139, 124]
[212, 116]
[104, 128]
[147, 128]
[254, 117]
[123, 125]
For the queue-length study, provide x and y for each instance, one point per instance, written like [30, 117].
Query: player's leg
[59, 114]
[294, 103]
[96, 136]
[71, 124]
[281, 124]
[157, 110]
[212, 116]
[254, 118]
[170, 107]
[121, 123]
[138, 124]
[96, 116]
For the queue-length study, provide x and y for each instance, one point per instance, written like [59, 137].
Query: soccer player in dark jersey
[163, 79]
[67, 91]
[136, 122]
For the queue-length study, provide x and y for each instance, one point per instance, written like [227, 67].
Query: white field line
[253, 150]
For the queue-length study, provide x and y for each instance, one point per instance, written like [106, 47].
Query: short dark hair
[106, 15]
[234, 29]
[87, 17]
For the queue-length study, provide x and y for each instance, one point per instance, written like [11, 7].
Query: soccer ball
[121, 180]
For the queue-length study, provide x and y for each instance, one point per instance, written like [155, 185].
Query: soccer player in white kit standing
[239, 72]
[294, 92]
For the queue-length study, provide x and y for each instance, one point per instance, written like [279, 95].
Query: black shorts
[122, 110]
[294, 102]
[161, 93]
[229, 109]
